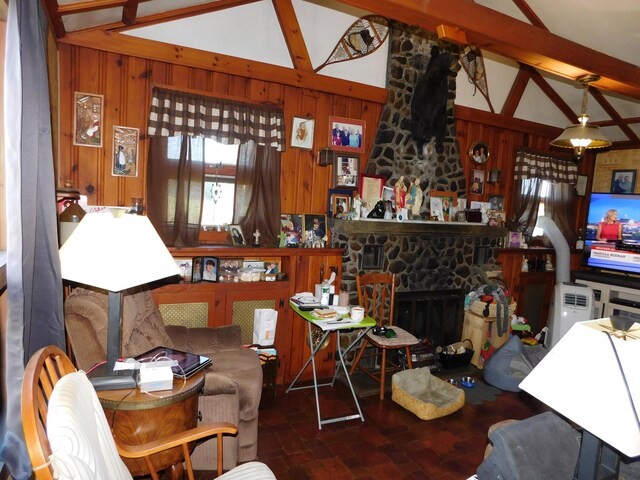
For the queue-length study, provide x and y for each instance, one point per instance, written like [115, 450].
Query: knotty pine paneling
[126, 84]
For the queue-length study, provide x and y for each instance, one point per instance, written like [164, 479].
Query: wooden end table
[136, 417]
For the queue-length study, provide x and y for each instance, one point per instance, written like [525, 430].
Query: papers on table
[345, 322]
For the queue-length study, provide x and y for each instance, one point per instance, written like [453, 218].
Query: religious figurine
[400, 192]
[356, 205]
[417, 198]
[256, 235]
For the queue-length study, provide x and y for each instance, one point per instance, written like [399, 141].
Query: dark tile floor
[391, 443]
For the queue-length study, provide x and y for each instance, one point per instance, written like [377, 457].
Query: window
[545, 190]
[219, 184]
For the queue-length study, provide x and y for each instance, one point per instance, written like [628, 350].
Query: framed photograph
[346, 134]
[291, 227]
[185, 266]
[125, 152]
[229, 269]
[494, 176]
[515, 239]
[477, 182]
[272, 266]
[623, 181]
[479, 152]
[237, 237]
[339, 202]
[210, 271]
[87, 119]
[316, 223]
[302, 133]
[196, 269]
[345, 171]
[370, 188]
[496, 202]
[441, 205]
[581, 185]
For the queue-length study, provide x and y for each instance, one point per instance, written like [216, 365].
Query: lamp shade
[585, 136]
[581, 379]
[115, 253]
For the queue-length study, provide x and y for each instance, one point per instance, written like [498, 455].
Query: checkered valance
[531, 164]
[226, 121]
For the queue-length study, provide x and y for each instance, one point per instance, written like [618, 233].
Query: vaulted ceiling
[548, 43]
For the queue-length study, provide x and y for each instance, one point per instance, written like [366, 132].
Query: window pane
[219, 191]
[545, 190]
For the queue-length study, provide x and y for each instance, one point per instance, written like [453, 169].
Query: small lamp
[582, 136]
[114, 251]
[592, 377]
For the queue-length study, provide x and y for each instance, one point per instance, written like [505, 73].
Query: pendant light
[582, 136]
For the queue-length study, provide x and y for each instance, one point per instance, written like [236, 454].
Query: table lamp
[592, 377]
[115, 251]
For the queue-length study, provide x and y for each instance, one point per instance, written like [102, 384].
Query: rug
[479, 393]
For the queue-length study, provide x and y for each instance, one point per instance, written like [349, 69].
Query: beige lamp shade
[581, 379]
[115, 253]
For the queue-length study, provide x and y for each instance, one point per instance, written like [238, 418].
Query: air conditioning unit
[572, 302]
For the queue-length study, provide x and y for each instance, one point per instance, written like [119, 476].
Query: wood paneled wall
[126, 83]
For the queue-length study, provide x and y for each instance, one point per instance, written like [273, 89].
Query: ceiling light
[582, 136]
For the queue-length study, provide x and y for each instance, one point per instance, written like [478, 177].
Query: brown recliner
[233, 382]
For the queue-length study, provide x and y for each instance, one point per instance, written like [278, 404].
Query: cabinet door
[241, 304]
[534, 298]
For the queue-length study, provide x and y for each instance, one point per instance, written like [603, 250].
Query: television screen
[622, 255]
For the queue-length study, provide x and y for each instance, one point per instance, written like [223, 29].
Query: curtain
[260, 131]
[531, 168]
[175, 187]
[34, 284]
[225, 121]
[257, 202]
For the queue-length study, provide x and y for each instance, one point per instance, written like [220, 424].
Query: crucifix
[256, 235]
[282, 239]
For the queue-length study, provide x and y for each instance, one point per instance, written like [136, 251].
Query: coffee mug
[357, 314]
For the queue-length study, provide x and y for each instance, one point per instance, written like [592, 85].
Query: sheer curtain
[259, 129]
[175, 186]
[531, 168]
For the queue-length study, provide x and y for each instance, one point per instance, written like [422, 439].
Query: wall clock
[479, 152]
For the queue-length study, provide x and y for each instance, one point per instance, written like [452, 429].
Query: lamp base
[119, 380]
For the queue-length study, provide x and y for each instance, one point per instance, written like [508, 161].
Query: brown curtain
[175, 187]
[257, 202]
[531, 168]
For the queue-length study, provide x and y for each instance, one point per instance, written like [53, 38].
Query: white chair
[68, 436]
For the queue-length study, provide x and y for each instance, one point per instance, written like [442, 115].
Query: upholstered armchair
[233, 382]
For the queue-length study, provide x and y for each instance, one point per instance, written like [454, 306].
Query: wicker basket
[478, 307]
[425, 395]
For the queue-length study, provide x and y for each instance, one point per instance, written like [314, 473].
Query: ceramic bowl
[468, 382]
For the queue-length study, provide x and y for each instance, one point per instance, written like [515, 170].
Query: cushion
[511, 363]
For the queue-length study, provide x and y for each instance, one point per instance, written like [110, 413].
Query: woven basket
[478, 307]
[449, 397]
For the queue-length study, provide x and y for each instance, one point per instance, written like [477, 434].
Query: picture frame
[229, 269]
[346, 169]
[87, 119]
[346, 134]
[479, 152]
[197, 267]
[496, 202]
[125, 151]
[210, 269]
[581, 185]
[623, 181]
[494, 176]
[316, 222]
[370, 188]
[302, 131]
[476, 186]
[237, 236]
[185, 265]
[339, 198]
[515, 239]
[442, 204]
[292, 227]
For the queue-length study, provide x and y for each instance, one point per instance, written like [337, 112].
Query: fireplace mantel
[416, 227]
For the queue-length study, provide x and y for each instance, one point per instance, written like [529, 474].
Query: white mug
[357, 314]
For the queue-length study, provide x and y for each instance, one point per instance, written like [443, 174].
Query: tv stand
[613, 294]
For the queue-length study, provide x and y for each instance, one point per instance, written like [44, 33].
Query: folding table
[329, 327]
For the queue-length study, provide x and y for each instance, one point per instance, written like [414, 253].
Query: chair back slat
[376, 294]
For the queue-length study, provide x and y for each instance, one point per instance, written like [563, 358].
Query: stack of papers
[306, 299]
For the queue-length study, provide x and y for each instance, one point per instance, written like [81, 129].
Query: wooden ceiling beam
[87, 6]
[55, 20]
[115, 42]
[513, 39]
[292, 35]
[615, 116]
[515, 94]
[130, 12]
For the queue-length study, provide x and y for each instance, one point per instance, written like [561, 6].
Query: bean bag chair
[511, 363]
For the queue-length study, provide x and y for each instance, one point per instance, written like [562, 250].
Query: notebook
[188, 363]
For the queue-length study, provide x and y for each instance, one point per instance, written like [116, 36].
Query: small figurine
[400, 192]
[548, 266]
[256, 235]
[525, 265]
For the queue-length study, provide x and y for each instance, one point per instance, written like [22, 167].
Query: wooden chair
[42, 378]
[376, 294]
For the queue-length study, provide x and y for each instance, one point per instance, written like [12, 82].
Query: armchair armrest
[205, 341]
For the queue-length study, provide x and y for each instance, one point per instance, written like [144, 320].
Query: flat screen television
[622, 255]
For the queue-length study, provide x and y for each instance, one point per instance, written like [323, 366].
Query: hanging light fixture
[216, 188]
[582, 136]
